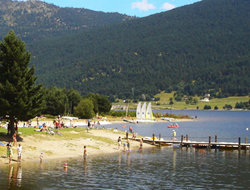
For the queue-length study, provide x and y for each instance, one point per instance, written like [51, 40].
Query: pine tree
[20, 99]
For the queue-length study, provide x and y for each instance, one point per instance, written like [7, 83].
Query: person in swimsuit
[119, 143]
[124, 146]
[41, 157]
[141, 141]
[14, 139]
[85, 153]
[128, 145]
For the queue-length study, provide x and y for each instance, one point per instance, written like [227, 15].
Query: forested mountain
[35, 19]
[195, 49]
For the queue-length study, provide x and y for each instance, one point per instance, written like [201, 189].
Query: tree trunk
[12, 125]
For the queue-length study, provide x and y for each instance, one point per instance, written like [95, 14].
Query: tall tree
[84, 109]
[74, 98]
[20, 99]
[56, 101]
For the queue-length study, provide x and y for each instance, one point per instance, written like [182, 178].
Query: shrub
[207, 107]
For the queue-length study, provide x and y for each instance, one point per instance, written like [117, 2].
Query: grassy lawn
[163, 103]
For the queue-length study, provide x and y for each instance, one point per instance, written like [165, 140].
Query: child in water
[128, 145]
[41, 157]
[85, 153]
[124, 146]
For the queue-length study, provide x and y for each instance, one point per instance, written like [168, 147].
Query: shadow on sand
[8, 138]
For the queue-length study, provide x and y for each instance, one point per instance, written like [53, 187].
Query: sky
[139, 8]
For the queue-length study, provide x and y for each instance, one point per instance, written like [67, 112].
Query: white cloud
[167, 6]
[143, 5]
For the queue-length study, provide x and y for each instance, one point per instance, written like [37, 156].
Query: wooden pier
[184, 142]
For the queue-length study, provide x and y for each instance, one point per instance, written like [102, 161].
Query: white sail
[143, 111]
[149, 112]
[138, 111]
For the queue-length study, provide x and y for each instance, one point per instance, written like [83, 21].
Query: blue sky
[140, 8]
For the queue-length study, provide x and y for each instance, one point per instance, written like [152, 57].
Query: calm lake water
[152, 168]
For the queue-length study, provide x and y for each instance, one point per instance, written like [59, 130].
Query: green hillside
[35, 20]
[196, 49]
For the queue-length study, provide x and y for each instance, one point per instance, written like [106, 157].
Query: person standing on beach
[9, 152]
[37, 121]
[128, 145]
[14, 139]
[85, 153]
[19, 153]
[8, 126]
[141, 141]
[119, 143]
[41, 157]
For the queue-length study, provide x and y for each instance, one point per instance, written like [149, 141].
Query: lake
[152, 168]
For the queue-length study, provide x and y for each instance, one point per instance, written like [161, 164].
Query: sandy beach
[70, 144]
[97, 141]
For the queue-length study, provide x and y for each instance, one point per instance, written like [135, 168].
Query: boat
[167, 118]
[138, 111]
[173, 126]
[144, 114]
[143, 111]
[104, 122]
[130, 121]
[154, 138]
[149, 113]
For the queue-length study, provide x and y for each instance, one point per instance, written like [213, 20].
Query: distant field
[164, 102]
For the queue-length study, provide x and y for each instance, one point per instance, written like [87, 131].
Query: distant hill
[35, 20]
[196, 49]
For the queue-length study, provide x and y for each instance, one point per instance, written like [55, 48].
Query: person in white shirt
[19, 153]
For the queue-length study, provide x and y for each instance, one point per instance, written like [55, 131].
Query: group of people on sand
[19, 153]
[127, 144]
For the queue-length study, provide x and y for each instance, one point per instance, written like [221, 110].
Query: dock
[184, 142]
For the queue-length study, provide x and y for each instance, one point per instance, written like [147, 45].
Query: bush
[228, 107]
[207, 107]
[178, 98]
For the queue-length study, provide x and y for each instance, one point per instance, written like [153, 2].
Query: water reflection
[174, 160]
[128, 158]
[153, 168]
[14, 175]
[85, 168]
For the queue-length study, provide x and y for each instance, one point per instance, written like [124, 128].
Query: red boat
[173, 126]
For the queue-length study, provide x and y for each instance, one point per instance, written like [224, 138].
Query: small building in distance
[206, 99]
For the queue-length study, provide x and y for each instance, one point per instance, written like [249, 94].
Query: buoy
[247, 129]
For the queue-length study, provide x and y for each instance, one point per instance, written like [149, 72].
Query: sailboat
[143, 111]
[145, 114]
[149, 114]
[138, 111]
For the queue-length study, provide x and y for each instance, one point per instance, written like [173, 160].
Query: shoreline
[98, 142]
[157, 121]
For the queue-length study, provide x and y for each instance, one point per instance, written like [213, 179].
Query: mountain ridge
[35, 20]
[196, 49]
